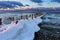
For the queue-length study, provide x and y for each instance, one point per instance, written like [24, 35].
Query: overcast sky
[35, 3]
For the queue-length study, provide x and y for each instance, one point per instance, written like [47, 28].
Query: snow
[24, 30]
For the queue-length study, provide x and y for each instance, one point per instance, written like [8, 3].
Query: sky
[39, 3]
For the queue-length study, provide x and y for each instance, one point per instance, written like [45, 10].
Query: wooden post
[0, 21]
[21, 17]
[32, 16]
[27, 17]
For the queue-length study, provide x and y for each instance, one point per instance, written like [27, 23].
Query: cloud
[10, 4]
[37, 1]
[56, 1]
[49, 3]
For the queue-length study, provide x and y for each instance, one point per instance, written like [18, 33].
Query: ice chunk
[28, 31]
[24, 30]
[37, 20]
[11, 32]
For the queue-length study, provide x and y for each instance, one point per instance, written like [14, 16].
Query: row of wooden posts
[27, 16]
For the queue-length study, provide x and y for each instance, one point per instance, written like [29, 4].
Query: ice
[37, 20]
[11, 32]
[28, 31]
[24, 30]
[5, 27]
